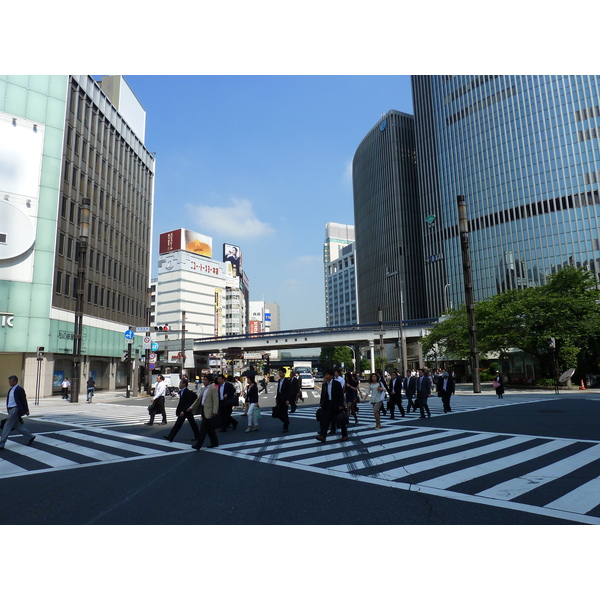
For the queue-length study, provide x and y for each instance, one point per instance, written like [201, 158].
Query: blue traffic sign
[129, 334]
[154, 346]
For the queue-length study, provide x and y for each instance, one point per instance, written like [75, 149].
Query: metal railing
[318, 331]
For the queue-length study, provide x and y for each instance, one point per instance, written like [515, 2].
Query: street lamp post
[147, 353]
[401, 338]
[447, 295]
[84, 234]
[380, 319]
[463, 226]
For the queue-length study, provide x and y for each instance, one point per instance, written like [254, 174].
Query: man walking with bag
[158, 402]
[282, 399]
[16, 406]
[207, 404]
[332, 405]
[186, 399]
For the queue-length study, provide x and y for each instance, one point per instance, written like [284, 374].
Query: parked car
[307, 381]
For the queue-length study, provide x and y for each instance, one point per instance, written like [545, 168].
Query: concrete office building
[339, 273]
[196, 296]
[524, 151]
[63, 139]
[387, 220]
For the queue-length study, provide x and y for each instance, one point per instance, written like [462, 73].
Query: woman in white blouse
[377, 394]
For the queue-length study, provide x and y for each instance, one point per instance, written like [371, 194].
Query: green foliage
[566, 308]
[334, 356]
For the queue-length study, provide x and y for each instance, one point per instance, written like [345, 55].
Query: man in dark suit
[16, 406]
[396, 394]
[445, 389]
[186, 399]
[332, 404]
[423, 392]
[226, 402]
[295, 389]
[282, 399]
[410, 388]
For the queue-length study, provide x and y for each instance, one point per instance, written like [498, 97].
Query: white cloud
[347, 177]
[308, 260]
[236, 220]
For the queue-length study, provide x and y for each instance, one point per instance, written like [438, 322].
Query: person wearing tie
[16, 406]
[226, 402]
[410, 387]
[186, 399]
[445, 389]
[282, 399]
[423, 392]
[332, 404]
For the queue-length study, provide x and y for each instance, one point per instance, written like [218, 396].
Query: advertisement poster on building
[232, 257]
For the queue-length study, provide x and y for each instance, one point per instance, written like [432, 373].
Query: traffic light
[551, 343]
[164, 327]
[40, 352]
[125, 356]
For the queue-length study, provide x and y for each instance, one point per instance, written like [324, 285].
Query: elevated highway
[367, 335]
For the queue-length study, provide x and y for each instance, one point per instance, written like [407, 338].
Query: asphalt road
[268, 478]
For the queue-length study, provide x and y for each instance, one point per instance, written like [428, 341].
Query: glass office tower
[389, 258]
[523, 150]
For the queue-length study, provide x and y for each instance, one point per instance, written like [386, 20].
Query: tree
[335, 356]
[566, 308]
[326, 357]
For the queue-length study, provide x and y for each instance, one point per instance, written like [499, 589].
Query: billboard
[232, 257]
[184, 239]
[21, 148]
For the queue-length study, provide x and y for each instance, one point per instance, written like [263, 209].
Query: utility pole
[84, 234]
[182, 341]
[463, 226]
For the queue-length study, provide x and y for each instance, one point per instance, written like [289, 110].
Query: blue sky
[263, 162]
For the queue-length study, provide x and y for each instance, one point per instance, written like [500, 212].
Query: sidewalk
[107, 396]
[487, 389]
[462, 389]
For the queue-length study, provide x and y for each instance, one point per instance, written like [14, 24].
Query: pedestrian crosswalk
[69, 449]
[459, 403]
[549, 476]
[97, 414]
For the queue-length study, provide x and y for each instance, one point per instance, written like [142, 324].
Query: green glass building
[62, 139]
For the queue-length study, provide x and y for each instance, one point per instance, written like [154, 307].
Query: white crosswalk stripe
[70, 449]
[517, 472]
[459, 403]
[97, 414]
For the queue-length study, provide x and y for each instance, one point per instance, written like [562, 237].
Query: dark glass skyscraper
[524, 151]
[389, 256]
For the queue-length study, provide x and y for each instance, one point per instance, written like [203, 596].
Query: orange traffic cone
[582, 386]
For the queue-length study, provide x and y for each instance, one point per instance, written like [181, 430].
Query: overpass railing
[317, 331]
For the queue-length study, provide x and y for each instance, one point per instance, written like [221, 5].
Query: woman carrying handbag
[252, 400]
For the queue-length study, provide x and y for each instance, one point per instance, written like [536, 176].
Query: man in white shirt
[16, 406]
[158, 402]
[66, 384]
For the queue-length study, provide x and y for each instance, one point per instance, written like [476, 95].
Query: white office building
[341, 300]
[196, 296]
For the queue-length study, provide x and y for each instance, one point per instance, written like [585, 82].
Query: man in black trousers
[294, 389]
[396, 394]
[226, 402]
[410, 388]
[16, 407]
[445, 389]
[423, 392]
[282, 399]
[332, 404]
[186, 399]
